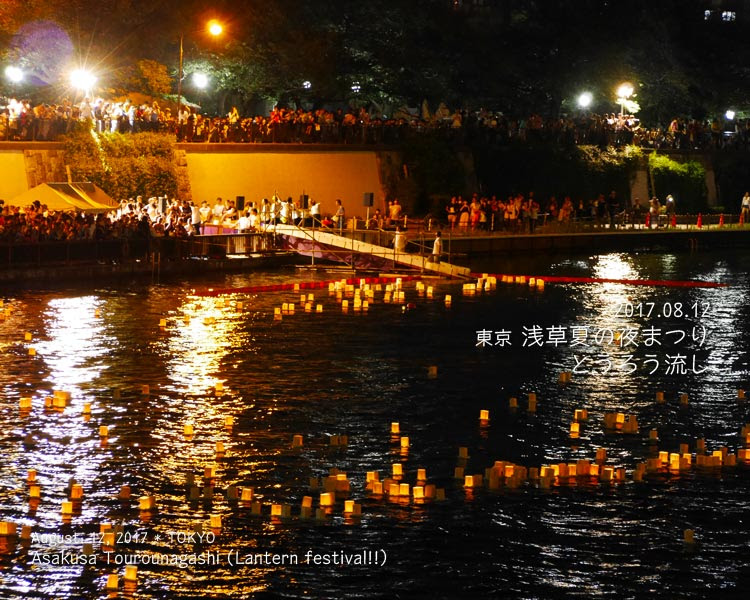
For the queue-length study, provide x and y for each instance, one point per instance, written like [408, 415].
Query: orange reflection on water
[203, 335]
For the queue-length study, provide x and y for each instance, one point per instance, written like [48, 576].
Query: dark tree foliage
[519, 56]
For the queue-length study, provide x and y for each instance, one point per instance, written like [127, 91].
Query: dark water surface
[328, 374]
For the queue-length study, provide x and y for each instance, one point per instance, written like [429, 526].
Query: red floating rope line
[644, 282]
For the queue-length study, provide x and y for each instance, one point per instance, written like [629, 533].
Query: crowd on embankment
[20, 121]
[160, 217]
[524, 213]
[157, 217]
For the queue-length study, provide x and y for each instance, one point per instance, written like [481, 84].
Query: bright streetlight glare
[14, 74]
[729, 115]
[82, 79]
[625, 90]
[215, 28]
[307, 85]
[200, 80]
[585, 99]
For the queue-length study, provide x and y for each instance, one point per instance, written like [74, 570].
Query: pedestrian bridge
[326, 244]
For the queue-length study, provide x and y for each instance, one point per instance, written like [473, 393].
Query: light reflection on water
[334, 374]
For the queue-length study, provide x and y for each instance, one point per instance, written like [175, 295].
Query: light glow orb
[82, 79]
[14, 74]
[200, 80]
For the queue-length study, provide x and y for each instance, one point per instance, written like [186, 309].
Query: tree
[153, 77]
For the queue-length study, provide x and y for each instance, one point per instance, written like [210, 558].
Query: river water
[429, 367]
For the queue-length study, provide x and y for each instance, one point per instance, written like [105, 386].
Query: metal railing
[545, 224]
[417, 243]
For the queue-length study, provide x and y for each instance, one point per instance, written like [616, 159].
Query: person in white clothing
[399, 240]
[218, 210]
[437, 248]
[315, 212]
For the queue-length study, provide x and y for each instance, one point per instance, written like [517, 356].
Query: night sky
[515, 56]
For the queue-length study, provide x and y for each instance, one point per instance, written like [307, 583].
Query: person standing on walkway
[399, 240]
[339, 215]
[437, 248]
[745, 208]
[315, 212]
[613, 208]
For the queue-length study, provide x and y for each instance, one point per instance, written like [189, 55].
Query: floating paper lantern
[131, 573]
[76, 492]
[7, 529]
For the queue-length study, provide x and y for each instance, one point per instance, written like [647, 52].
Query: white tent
[67, 196]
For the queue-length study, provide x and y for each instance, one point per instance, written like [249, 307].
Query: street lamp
[585, 99]
[215, 29]
[623, 93]
[729, 115]
[200, 80]
[14, 74]
[83, 80]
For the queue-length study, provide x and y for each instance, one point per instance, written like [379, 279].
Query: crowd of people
[19, 120]
[521, 213]
[35, 223]
[159, 217]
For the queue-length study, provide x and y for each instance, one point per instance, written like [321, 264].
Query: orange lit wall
[323, 175]
[13, 180]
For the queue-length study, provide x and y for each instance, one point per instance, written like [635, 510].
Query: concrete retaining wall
[256, 173]
[229, 170]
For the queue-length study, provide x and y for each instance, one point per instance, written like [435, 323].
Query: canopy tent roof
[82, 195]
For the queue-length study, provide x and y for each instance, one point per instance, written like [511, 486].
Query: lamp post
[215, 29]
[623, 93]
[585, 99]
[83, 80]
[14, 74]
[179, 85]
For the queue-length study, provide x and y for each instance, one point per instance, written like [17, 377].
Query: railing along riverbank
[50, 253]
